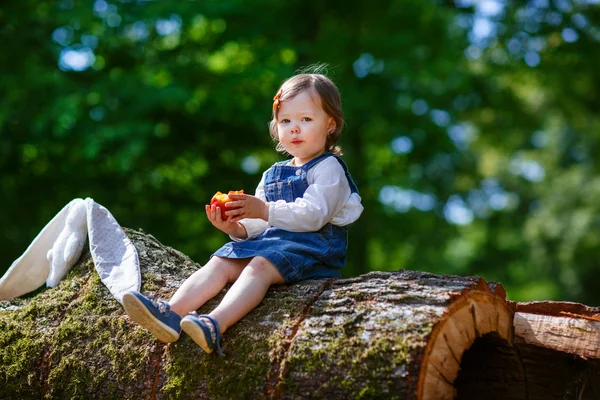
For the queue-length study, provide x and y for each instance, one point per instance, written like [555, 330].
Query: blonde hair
[331, 102]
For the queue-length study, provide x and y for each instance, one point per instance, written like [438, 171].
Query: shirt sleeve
[326, 195]
[254, 226]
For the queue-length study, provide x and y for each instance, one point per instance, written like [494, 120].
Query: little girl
[293, 228]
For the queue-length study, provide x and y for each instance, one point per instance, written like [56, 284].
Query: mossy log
[403, 335]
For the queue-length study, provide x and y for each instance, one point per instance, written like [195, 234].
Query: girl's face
[303, 126]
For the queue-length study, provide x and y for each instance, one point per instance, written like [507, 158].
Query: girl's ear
[331, 125]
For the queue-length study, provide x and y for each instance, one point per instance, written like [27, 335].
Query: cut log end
[481, 314]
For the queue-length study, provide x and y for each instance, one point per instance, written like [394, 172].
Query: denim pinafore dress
[297, 255]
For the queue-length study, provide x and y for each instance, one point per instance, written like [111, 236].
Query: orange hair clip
[276, 99]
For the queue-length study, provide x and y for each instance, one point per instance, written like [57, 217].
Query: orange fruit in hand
[219, 200]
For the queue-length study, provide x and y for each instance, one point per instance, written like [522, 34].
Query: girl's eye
[306, 119]
[284, 121]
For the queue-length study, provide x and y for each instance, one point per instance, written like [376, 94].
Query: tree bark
[559, 344]
[403, 335]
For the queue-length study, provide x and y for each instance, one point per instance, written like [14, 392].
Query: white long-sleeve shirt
[327, 199]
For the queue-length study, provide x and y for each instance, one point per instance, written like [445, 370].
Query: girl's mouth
[296, 141]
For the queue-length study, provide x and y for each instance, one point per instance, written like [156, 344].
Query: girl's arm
[326, 195]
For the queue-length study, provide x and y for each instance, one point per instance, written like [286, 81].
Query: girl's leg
[206, 283]
[247, 292]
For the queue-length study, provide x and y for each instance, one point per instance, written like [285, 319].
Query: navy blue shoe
[154, 315]
[208, 337]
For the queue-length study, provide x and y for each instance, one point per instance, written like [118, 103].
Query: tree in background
[471, 125]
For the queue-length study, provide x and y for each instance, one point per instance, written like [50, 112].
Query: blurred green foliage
[472, 126]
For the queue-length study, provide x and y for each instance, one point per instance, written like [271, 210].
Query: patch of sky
[490, 8]
[250, 164]
[464, 3]
[113, 20]
[465, 21]
[63, 35]
[137, 32]
[530, 18]
[478, 203]
[440, 117]
[496, 197]
[90, 41]
[457, 212]
[531, 170]
[419, 107]
[107, 11]
[165, 27]
[402, 200]
[563, 6]
[462, 135]
[483, 26]
[422, 201]
[76, 58]
[473, 52]
[514, 46]
[536, 44]
[579, 21]
[569, 35]
[100, 8]
[554, 18]
[366, 64]
[528, 47]
[539, 139]
[402, 145]
[532, 59]
[483, 29]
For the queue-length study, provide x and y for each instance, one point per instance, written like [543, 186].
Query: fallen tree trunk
[404, 335]
[559, 344]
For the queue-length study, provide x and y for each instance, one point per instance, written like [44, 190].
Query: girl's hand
[247, 207]
[229, 226]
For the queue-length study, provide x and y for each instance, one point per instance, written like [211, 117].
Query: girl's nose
[295, 129]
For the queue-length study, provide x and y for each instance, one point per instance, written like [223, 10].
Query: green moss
[24, 331]
[243, 371]
[249, 349]
[95, 350]
[151, 283]
[348, 362]
[70, 341]
[365, 352]
[19, 356]
[237, 375]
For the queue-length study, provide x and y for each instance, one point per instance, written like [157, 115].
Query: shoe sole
[196, 333]
[137, 311]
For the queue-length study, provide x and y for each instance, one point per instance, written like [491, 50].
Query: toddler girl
[293, 228]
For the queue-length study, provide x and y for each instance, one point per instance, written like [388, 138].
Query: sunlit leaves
[472, 130]
[184, 171]
[232, 57]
